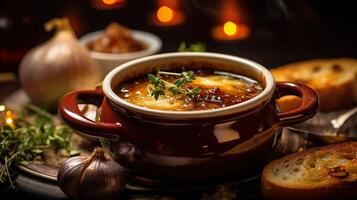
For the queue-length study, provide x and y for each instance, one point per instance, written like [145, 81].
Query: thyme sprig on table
[176, 88]
[33, 131]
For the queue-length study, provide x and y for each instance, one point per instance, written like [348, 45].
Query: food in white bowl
[116, 45]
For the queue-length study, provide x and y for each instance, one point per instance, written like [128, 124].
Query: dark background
[283, 31]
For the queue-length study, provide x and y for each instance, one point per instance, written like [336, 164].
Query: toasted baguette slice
[335, 80]
[320, 173]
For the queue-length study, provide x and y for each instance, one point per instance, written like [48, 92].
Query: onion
[58, 66]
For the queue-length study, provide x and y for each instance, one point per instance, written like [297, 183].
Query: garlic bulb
[58, 66]
[94, 177]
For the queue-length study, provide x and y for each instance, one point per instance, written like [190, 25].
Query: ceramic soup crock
[190, 145]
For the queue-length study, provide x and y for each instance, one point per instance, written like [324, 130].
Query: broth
[218, 89]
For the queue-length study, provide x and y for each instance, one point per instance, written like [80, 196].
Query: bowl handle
[309, 102]
[73, 117]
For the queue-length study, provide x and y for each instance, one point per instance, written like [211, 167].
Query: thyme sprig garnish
[34, 131]
[192, 93]
[159, 86]
[176, 88]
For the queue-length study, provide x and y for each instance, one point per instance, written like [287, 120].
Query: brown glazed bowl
[189, 145]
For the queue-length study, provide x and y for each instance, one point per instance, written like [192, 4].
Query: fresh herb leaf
[175, 90]
[34, 131]
[195, 47]
[193, 93]
[179, 82]
[188, 76]
[159, 85]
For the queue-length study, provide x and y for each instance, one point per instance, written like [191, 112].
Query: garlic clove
[94, 177]
[70, 174]
[109, 186]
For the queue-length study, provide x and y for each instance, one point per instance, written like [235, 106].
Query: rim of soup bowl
[260, 99]
[152, 42]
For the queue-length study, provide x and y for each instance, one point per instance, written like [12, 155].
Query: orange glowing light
[165, 14]
[168, 13]
[9, 118]
[231, 31]
[230, 28]
[109, 2]
[9, 121]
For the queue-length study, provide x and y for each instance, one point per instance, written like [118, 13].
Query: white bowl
[109, 61]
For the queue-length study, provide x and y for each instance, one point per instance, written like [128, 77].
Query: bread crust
[328, 187]
[335, 80]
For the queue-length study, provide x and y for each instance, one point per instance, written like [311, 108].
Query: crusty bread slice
[320, 173]
[335, 80]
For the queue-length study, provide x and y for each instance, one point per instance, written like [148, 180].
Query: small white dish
[109, 61]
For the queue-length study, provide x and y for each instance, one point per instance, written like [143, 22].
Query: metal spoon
[329, 127]
[341, 120]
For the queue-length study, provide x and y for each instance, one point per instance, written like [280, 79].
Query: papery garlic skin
[56, 67]
[70, 174]
[90, 178]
